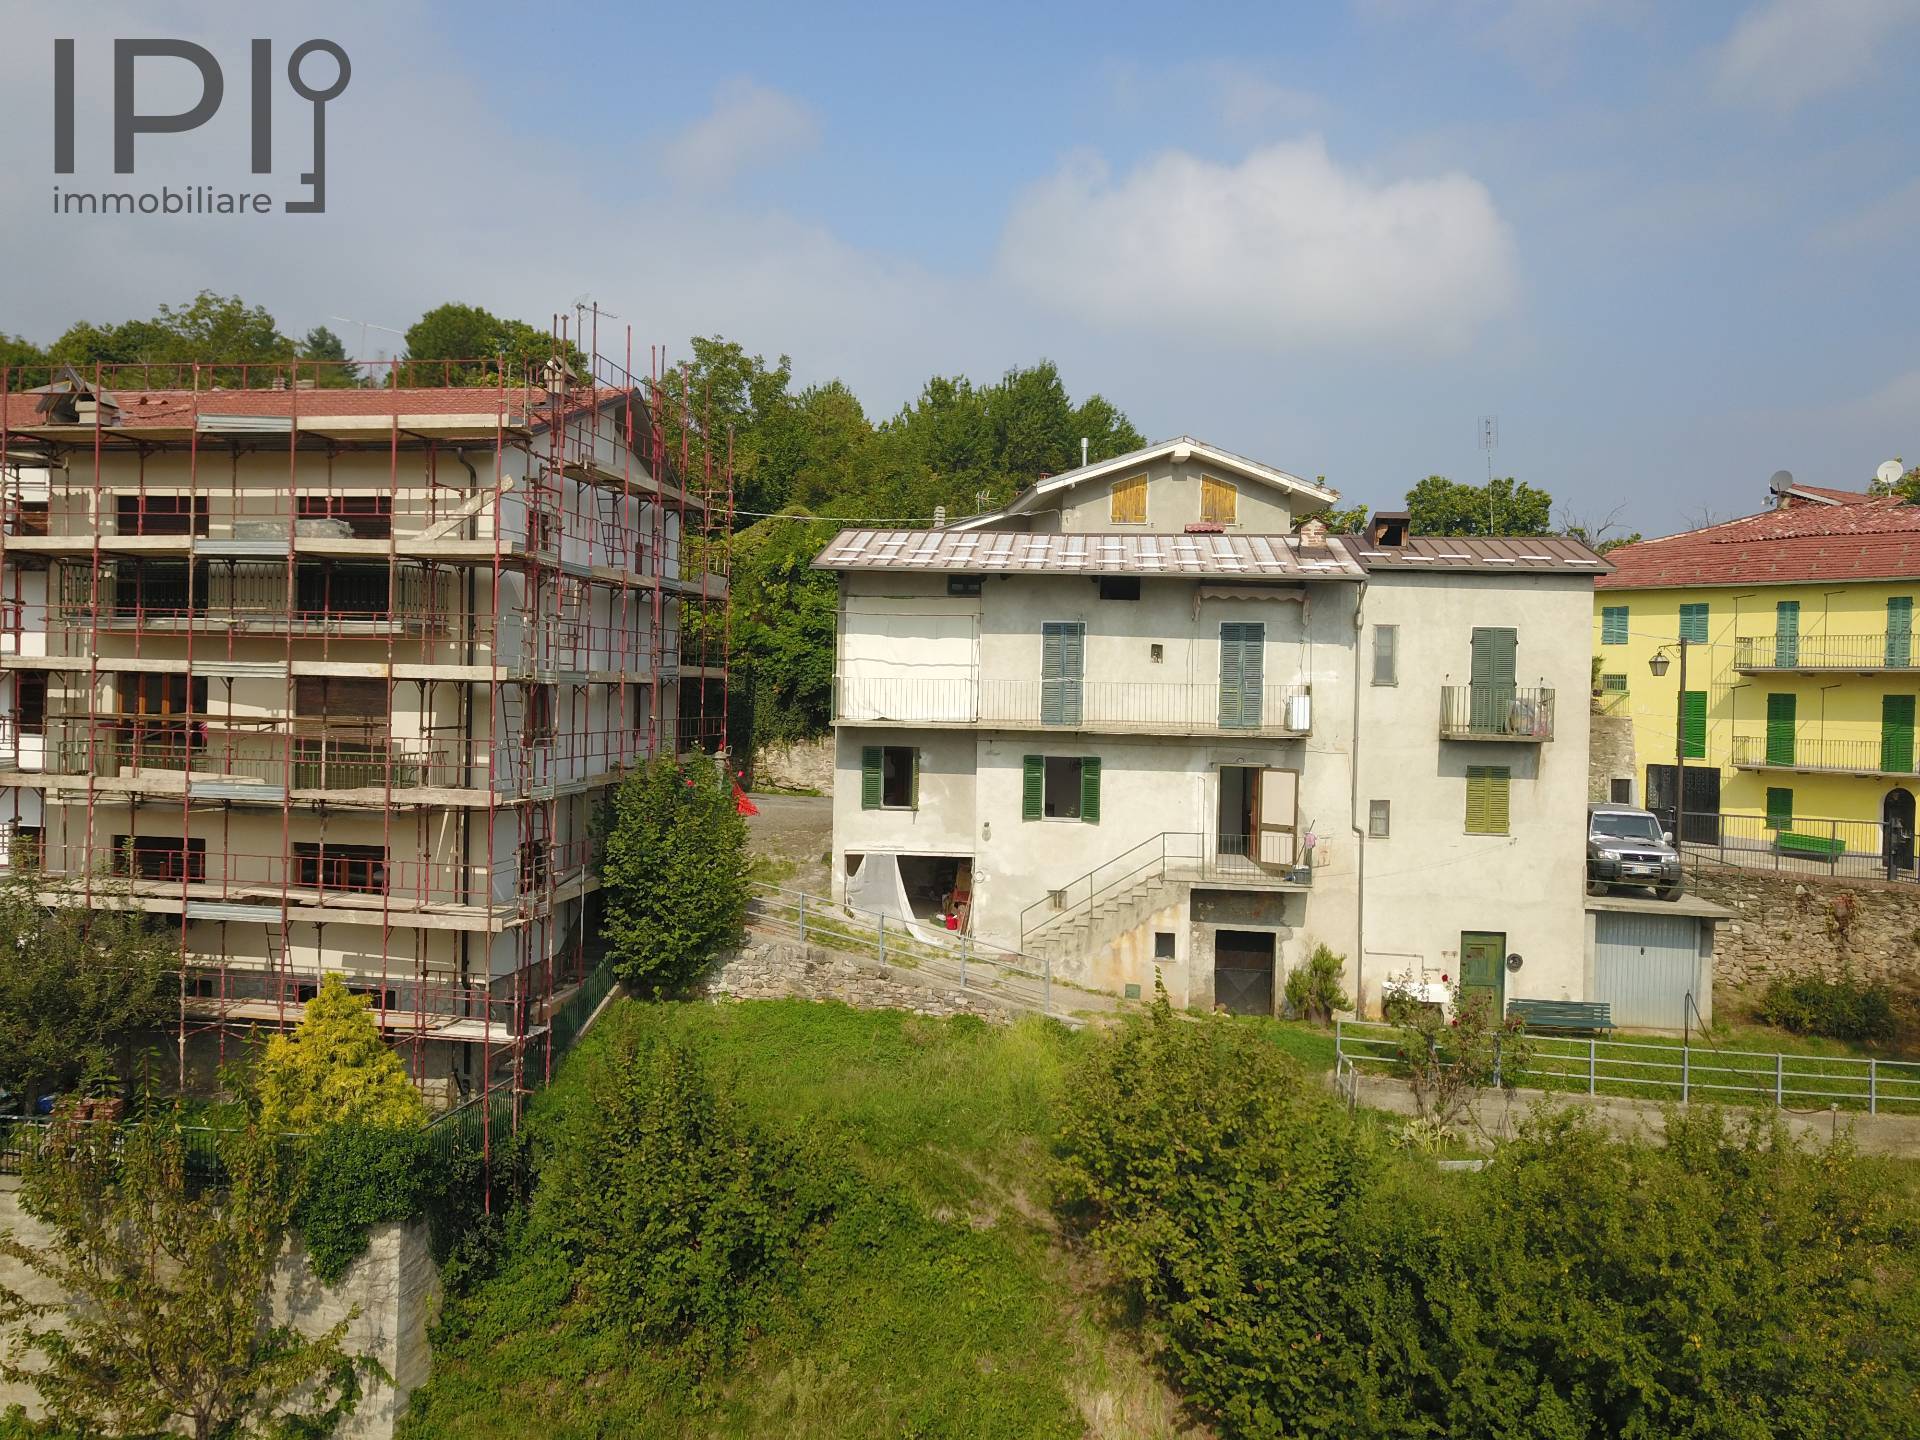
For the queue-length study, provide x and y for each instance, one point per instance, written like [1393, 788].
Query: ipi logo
[129, 121]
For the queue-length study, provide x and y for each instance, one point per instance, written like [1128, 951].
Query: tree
[467, 333]
[1907, 487]
[674, 872]
[1599, 535]
[172, 1285]
[784, 613]
[1440, 506]
[335, 1067]
[77, 986]
[1349, 521]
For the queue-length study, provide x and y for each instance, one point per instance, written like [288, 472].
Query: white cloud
[750, 126]
[1785, 52]
[1283, 251]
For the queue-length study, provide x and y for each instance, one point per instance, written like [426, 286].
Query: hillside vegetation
[791, 1219]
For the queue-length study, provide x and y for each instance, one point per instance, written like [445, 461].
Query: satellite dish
[1781, 482]
[1890, 472]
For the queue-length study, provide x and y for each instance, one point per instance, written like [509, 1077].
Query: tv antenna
[1490, 442]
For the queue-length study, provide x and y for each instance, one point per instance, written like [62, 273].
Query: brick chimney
[1313, 531]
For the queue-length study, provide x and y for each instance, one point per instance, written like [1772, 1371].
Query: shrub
[335, 1066]
[674, 871]
[1842, 1009]
[1313, 989]
[1450, 1059]
[356, 1176]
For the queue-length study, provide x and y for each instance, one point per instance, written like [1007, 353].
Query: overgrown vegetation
[1842, 1008]
[674, 871]
[1453, 1053]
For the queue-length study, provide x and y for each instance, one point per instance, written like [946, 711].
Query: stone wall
[394, 1287]
[1610, 756]
[803, 765]
[766, 968]
[1795, 923]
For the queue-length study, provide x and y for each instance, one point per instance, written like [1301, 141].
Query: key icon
[316, 177]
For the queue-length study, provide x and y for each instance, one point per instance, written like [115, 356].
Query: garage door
[1645, 966]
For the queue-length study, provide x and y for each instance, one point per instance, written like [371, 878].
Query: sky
[1668, 246]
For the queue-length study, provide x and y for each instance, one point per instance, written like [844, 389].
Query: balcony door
[1063, 660]
[1243, 650]
[1490, 682]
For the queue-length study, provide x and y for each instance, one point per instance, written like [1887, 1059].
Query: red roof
[1838, 497]
[1861, 538]
[175, 408]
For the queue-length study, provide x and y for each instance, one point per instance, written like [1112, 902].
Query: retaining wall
[1786, 924]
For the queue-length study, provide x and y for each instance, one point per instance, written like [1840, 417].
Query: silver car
[1626, 846]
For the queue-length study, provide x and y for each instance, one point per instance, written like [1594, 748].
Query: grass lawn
[939, 1305]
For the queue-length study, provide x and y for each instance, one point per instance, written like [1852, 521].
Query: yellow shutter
[1130, 501]
[1219, 501]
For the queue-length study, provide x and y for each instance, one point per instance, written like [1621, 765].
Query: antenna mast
[1489, 442]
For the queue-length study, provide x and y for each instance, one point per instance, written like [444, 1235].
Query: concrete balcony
[1866, 654]
[1094, 707]
[1496, 712]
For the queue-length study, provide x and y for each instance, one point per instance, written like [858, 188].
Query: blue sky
[1668, 245]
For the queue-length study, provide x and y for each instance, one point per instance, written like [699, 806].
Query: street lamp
[1658, 663]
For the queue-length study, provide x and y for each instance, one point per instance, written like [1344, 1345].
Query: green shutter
[1786, 634]
[1499, 780]
[1090, 789]
[1487, 787]
[870, 777]
[1490, 690]
[1062, 670]
[1033, 787]
[1613, 625]
[1693, 624]
[1896, 734]
[913, 791]
[1693, 730]
[1476, 800]
[1779, 808]
[1243, 663]
[1900, 630]
[1780, 717]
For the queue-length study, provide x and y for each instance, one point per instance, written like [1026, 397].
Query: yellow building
[1796, 715]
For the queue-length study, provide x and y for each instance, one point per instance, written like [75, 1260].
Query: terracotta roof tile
[1876, 538]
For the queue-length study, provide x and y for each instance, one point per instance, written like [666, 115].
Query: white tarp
[908, 659]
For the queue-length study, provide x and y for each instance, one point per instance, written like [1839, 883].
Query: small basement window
[1163, 945]
[1119, 587]
[963, 584]
[1379, 818]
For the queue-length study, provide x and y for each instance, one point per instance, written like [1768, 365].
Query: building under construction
[332, 668]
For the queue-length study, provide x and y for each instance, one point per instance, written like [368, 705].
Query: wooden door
[1275, 807]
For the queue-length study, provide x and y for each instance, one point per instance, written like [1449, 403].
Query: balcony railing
[1106, 706]
[1860, 654]
[1890, 755]
[1496, 712]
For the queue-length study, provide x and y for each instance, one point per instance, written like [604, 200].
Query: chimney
[939, 517]
[1388, 530]
[1313, 531]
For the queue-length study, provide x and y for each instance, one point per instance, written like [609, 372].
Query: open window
[160, 514]
[159, 857]
[357, 869]
[1061, 787]
[889, 777]
[366, 517]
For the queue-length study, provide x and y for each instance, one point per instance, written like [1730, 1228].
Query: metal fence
[1859, 755]
[24, 1136]
[1796, 845]
[1109, 706]
[955, 957]
[1877, 650]
[1645, 1068]
[1495, 712]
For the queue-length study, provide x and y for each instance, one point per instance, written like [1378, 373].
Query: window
[1899, 630]
[367, 517]
[1896, 734]
[1779, 807]
[1693, 624]
[1613, 625]
[155, 589]
[29, 518]
[330, 590]
[331, 697]
[360, 869]
[889, 777]
[160, 514]
[543, 528]
[1780, 727]
[1119, 587]
[30, 701]
[1614, 684]
[149, 695]
[1063, 656]
[535, 858]
[159, 857]
[1379, 818]
[1620, 790]
[1163, 944]
[1242, 674]
[1219, 501]
[539, 722]
[1386, 654]
[1487, 799]
[1156, 652]
[1786, 634]
[963, 584]
[1127, 501]
[1060, 787]
[1693, 731]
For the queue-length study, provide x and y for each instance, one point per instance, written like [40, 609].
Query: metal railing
[957, 956]
[1874, 756]
[1877, 650]
[1112, 706]
[1495, 712]
[1646, 1069]
[1796, 845]
[1170, 855]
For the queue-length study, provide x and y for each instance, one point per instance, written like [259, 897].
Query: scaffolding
[331, 663]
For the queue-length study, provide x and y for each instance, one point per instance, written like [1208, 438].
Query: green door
[1490, 686]
[1063, 658]
[1899, 631]
[1483, 967]
[1896, 734]
[1243, 648]
[1786, 634]
[1780, 717]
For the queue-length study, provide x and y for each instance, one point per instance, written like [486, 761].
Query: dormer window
[1128, 501]
[1219, 501]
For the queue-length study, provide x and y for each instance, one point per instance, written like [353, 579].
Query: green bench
[1583, 1016]
[1814, 847]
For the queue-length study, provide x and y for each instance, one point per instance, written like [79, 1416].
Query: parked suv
[1626, 846]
